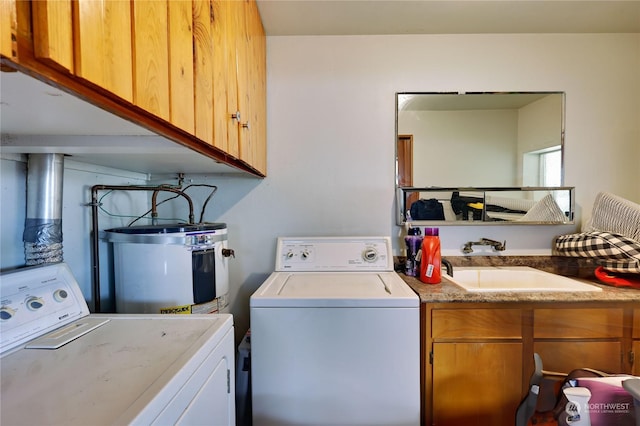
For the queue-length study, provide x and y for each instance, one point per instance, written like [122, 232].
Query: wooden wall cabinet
[181, 69]
[478, 358]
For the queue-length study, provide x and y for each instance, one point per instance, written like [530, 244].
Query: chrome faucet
[497, 245]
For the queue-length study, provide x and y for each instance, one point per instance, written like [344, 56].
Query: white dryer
[335, 336]
[62, 366]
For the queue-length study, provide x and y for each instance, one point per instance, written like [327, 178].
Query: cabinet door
[102, 45]
[181, 65]
[567, 339]
[225, 86]
[203, 70]
[252, 87]
[476, 383]
[151, 57]
[7, 28]
[52, 33]
[257, 71]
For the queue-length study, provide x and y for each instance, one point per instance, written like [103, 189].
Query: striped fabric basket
[612, 213]
[611, 236]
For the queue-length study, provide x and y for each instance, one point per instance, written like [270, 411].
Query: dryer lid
[334, 289]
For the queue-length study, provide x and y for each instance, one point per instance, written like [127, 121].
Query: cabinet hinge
[228, 381]
[431, 357]
[632, 357]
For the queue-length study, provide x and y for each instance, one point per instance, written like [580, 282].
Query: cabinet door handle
[236, 116]
[245, 125]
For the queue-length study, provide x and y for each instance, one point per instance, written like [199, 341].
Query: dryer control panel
[315, 254]
[36, 300]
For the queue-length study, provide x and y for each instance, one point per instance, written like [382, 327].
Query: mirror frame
[403, 191]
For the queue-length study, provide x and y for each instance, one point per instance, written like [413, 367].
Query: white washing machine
[335, 337]
[62, 366]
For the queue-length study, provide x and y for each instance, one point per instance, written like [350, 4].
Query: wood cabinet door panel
[151, 57]
[476, 323]
[636, 363]
[563, 356]
[203, 69]
[636, 323]
[257, 79]
[7, 28]
[102, 45]
[577, 323]
[476, 383]
[224, 83]
[52, 33]
[181, 65]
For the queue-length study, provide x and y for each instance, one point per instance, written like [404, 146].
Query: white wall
[482, 152]
[76, 215]
[331, 131]
[331, 135]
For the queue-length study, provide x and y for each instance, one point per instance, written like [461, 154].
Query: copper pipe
[95, 243]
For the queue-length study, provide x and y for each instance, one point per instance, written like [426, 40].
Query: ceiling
[30, 107]
[466, 101]
[378, 17]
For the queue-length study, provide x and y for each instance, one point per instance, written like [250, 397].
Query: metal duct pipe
[43, 224]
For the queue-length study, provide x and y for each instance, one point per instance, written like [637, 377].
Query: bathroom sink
[514, 278]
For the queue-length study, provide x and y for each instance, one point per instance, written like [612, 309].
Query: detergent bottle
[414, 242]
[430, 258]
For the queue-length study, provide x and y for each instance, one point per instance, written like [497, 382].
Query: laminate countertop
[579, 269]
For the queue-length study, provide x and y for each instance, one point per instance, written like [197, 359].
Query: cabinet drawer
[577, 323]
[636, 323]
[567, 356]
[476, 323]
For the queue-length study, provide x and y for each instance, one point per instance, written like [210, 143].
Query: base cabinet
[476, 383]
[478, 358]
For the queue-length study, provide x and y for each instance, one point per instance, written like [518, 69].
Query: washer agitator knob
[34, 303]
[60, 295]
[370, 254]
[6, 313]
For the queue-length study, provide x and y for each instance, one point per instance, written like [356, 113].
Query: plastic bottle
[430, 259]
[413, 241]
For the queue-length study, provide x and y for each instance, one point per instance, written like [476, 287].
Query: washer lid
[334, 289]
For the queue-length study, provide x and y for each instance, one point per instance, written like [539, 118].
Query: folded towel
[612, 251]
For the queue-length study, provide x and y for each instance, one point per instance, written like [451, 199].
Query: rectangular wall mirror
[506, 143]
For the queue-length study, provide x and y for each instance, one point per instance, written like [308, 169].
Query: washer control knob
[289, 254]
[6, 313]
[305, 254]
[60, 295]
[34, 303]
[370, 254]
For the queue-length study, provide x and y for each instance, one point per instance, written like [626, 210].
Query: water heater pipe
[95, 243]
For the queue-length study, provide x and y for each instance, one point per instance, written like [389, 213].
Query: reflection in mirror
[473, 206]
[480, 139]
[465, 158]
